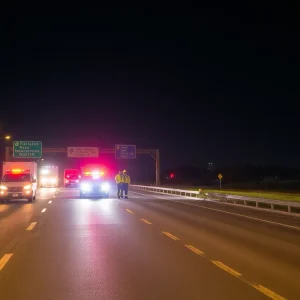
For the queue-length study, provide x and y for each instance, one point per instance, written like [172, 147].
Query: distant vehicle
[48, 176]
[94, 184]
[19, 181]
[71, 177]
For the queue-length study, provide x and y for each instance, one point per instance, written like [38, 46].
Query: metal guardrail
[278, 205]
[290, 207]
[164, 190]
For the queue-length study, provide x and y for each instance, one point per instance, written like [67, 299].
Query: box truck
[19, 181]
[48, 176]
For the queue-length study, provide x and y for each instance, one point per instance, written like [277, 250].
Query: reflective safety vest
[119, 178]
[126, 178]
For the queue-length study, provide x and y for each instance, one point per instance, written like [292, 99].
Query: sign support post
[220, 176]
[157, 166]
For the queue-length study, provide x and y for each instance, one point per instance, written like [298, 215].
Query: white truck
[19, 181]
[48, 176]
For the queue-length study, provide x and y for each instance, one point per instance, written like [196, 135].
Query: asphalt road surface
[150, 246]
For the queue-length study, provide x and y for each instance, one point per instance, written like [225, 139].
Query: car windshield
[16, 178]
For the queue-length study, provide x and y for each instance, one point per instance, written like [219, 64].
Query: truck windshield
[16, 178]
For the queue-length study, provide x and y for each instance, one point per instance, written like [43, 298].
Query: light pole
[4, 138]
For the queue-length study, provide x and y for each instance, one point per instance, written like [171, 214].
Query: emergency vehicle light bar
[17, 171]
[93, 173]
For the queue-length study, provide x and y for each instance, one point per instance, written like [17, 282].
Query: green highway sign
[27, 149]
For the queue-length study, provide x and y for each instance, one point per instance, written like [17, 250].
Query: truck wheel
[30, 199]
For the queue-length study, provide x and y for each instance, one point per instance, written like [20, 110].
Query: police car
[94, 184]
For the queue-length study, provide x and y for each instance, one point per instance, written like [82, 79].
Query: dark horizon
[216, 86]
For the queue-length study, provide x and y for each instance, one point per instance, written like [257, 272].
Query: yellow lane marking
[192, 248]
[268, 292]
[5, 258]
[226, 268]
[50, 202]
[171, 236]
[146, 221]
[44, 209]
[128, 210]
[30, 227]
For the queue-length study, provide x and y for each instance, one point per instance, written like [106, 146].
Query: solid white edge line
[225, 212]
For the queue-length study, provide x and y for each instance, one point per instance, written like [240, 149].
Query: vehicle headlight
[85, 187]
[3, 187]
[105, 186]
[27, 187]
[53, 180]
[43, 180]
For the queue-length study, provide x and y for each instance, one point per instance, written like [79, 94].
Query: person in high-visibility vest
[126, 182]
[119, 182]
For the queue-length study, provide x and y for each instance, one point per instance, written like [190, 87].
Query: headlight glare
[105, 186]
[85, 187]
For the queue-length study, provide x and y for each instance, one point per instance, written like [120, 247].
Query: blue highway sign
[125, 151]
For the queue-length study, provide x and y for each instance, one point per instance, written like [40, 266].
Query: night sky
[210, 84]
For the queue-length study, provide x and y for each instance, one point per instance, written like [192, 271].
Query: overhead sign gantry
[120, 152]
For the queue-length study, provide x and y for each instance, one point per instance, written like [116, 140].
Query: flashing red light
[17, 171]
[172, 175]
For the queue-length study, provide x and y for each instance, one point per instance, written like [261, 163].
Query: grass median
[255, 194]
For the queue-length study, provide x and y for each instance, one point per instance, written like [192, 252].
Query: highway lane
[109, 249]
[263, 246]
[18, 214]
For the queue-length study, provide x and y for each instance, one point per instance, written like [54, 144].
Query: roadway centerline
[268, 292]
[5, 258]
[130, 211]
[50, 202]
[194, 249]
[30, 227]
[146, 221]
[170, 235]
[226, 268]
[43, 210]
[272, 295]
